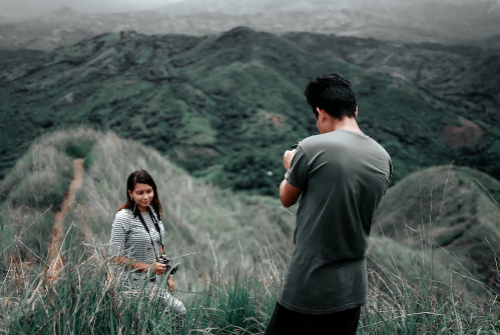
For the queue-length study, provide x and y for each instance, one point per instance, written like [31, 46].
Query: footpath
[56, 262]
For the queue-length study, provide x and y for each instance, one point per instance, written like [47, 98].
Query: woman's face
[143, 195]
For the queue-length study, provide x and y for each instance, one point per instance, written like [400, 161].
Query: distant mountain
[454, 210]
[416, 21]
[62, 27]
[408, 21]
[4, 20]
[460, 75]
[190, 7]
[490, 42]
[226, 107]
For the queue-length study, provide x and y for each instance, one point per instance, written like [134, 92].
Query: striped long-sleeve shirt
[129, 238]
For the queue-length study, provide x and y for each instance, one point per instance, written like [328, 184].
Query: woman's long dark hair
[141, 177]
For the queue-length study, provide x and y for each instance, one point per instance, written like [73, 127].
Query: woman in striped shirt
[137, 239]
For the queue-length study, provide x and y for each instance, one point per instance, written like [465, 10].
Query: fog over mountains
[448, 22]
[18, 10]
[406, 8]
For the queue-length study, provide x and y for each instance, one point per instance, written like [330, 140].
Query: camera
[163, 259]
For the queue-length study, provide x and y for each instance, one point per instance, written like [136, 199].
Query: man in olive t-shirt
[341, 176]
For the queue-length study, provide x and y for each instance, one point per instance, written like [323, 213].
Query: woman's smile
[143, 195]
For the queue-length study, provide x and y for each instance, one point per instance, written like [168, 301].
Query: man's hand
[288, 157]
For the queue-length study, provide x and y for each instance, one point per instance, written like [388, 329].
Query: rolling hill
[216, 231]
[10, 59]
[225, 107]
[460, 75]
[454, 210]
[197, 215]
[233, 247]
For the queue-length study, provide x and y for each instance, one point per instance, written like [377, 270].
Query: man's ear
[321, 114]
[356, 113]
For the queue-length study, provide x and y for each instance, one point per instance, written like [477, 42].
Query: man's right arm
[289, 194]
[297, 165]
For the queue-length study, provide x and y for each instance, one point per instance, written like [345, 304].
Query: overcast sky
[21, 9]
[29, 8]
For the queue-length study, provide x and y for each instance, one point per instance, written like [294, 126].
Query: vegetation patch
[78, 149]
[216, 104]
[452, 209]
[233, 249]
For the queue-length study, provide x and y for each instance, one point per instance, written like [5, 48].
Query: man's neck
[346, 123]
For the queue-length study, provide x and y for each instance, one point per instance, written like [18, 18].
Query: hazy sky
[28, 8]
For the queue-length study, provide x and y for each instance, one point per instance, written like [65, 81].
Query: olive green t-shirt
[343, 175]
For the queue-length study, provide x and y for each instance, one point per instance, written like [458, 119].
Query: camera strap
[157, 227]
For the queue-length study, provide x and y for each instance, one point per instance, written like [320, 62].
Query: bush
[78, 148]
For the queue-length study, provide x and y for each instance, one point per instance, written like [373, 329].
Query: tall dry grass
[233, 248]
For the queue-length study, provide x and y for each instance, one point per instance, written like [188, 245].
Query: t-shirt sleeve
[118, 234]
[390, 170]
[389, 177]
[299, 169]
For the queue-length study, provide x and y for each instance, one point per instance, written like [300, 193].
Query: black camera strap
[157, 227]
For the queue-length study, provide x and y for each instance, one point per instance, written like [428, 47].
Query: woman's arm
[157, 268]
[144, 267]
[117, 247]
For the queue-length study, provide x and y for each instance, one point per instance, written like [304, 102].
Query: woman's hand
[171, 284]
[158, 268]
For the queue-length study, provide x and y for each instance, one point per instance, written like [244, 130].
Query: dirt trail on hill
[57, 235]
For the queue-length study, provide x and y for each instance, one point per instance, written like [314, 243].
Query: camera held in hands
[163, 259]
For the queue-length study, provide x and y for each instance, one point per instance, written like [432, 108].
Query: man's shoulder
[315, 143]
[310, 142]
[357, 147]
[339, 139]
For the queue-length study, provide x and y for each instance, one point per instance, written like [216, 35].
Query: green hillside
[10, 59]
[459, 74]
[453, 210]
[223, 107]
[240, 244]
[236, 229]
[198, 216]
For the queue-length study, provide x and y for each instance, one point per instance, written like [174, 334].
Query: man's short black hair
[334, 94]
